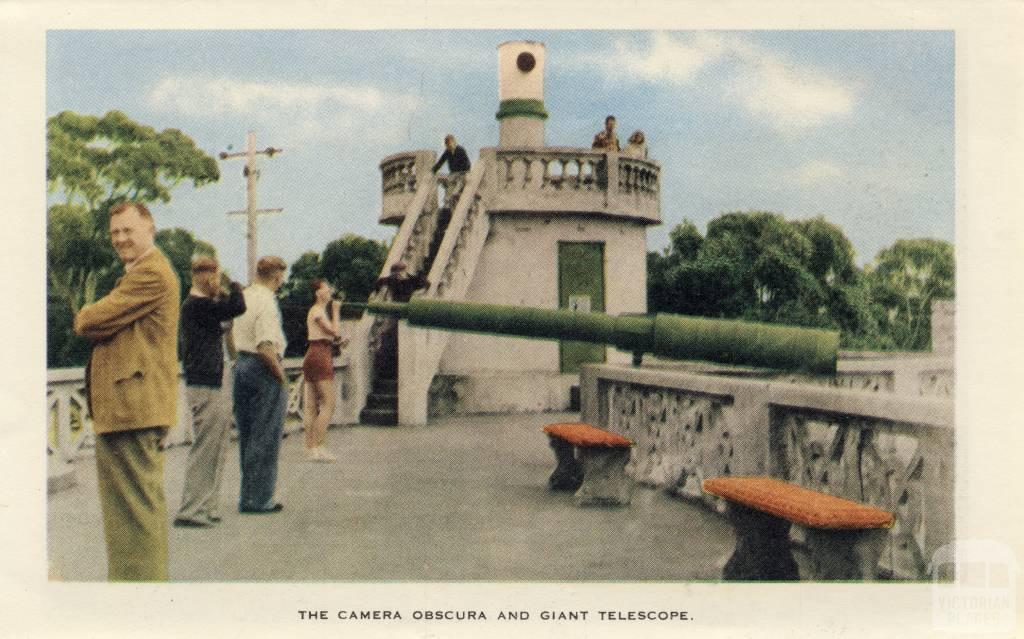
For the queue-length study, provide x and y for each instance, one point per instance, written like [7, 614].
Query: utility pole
[251, 212]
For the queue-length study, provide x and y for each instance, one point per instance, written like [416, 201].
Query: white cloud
[306, 109]
[666, 59]
[786, 96]
[814, 173]
[789, 96]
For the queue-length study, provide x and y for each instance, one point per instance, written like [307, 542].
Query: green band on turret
[523, 108]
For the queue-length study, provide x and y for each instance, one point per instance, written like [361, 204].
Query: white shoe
[325, 455]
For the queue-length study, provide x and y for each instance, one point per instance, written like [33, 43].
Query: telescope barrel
[664, 335]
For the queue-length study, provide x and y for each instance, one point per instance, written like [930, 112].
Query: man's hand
[269, 358]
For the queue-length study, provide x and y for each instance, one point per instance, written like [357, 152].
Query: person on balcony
[454, 155]
[132, 392]
[203, 318]
[458, 166]
[607, 140]
[260, 393]
[323, 331]
[637, 146]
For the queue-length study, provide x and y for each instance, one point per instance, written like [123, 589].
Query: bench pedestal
[604, 477]
[568, 474]
[592, 462]
[763, 551]
[846, 555]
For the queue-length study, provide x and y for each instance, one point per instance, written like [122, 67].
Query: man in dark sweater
[400, 285]
[201, 346]
[454, 155]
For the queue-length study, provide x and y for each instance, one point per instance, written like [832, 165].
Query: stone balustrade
[567, 179]
[889, 450]
[69, 431]
[401, 174]
[545, 179]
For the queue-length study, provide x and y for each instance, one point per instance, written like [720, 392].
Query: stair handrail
[467, 203]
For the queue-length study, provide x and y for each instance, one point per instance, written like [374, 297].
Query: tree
[352, 264]
[180, 246]
[96, 162]
[759, 266]
[93, 163]
[296, 298]
[904, 279]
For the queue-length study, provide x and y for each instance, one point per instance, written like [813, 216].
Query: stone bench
[844, 538]
[590, 461]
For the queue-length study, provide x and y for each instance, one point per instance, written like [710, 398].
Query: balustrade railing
[566, 179]
[69, 429]
[401, 176]
[892, 451]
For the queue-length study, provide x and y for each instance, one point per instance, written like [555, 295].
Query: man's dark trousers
[260, 404]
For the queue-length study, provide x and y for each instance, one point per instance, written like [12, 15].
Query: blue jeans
[260, 404]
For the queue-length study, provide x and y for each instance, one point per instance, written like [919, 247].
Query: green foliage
[113, 158]
[904, 280]
[759, 266]
[94, 162]
[350, 263]
[180, 246]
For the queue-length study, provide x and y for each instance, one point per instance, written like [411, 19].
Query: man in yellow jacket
[132, 383]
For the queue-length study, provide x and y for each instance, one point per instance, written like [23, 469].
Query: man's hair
[203, 264]
[121, 207]
[269, 265]
[449, 137]
[610, 118]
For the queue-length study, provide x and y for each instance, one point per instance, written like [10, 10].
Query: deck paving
[460, 499]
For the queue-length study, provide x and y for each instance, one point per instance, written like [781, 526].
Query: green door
[580, 288]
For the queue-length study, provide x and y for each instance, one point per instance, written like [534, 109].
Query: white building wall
[519, 266]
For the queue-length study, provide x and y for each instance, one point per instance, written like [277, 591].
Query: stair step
[385, 386]
[382, 400]
[379, 417]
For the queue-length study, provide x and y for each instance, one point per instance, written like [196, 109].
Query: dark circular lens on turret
[526, 62]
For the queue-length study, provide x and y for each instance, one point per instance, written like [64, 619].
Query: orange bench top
[586, 436]
[798, 504]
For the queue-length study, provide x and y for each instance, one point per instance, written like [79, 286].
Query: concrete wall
[519, 266]
[895, 452]
[943, 327]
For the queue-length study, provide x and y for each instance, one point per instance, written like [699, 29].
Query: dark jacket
[458, 161]
[201, 346]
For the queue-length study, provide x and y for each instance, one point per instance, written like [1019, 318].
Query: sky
[856, 126]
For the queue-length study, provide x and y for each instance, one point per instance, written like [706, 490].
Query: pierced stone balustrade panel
[897, 467]
[681, 437]
[936, 383]
[638, 176]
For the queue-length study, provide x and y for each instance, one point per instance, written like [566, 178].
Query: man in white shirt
[260, 392]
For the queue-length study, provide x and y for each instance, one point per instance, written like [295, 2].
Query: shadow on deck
[460, 499]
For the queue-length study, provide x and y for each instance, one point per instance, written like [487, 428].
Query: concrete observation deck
[460, 499]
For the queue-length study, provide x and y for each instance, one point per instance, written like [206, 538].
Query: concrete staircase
[381, 404]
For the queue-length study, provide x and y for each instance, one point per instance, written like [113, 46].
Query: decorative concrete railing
[919, 374]
[892, 451]
[401, 177]
[565, 179]
[420, 350]
[69, 430]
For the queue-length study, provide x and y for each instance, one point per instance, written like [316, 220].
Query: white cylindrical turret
[521, 112]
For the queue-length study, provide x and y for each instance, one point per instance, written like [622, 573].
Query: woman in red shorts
[324, 330]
